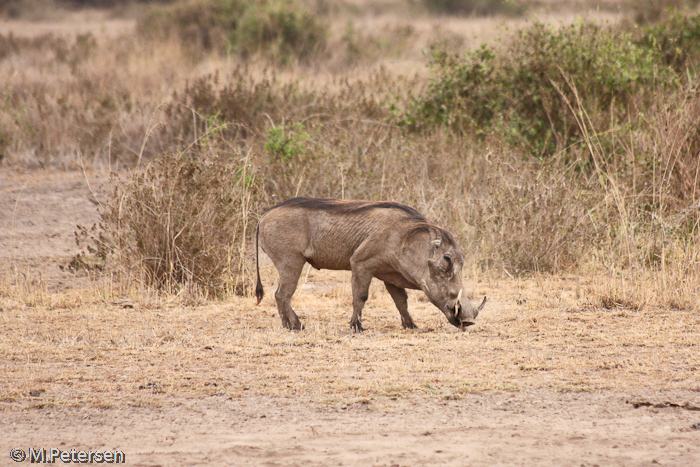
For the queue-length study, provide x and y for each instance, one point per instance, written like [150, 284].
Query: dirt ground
[222, 384]
[39, 211]
[528, 428]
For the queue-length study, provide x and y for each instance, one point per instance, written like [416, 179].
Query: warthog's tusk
[459, 297]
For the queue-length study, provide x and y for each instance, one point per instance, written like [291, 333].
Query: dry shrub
[49, 9]
[614, 182]
[45, 117]
[244, 104]
[653, 177]
[305, 141]
[535, 217]
[183, 221]
[357, 47]
[106, 3]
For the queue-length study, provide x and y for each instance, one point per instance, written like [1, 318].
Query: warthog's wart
[389, 241]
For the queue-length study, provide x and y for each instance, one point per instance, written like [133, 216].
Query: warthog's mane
[341, 206]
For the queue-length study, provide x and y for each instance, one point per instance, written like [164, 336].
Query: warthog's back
[326, 232]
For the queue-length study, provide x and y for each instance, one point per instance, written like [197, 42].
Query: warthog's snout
[464, 312]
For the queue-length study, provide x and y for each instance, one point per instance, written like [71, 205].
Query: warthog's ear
[435, 237]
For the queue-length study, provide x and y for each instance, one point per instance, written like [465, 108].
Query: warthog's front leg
[360, 292]
[401, 300]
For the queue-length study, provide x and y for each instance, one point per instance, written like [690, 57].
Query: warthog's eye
[447, 266]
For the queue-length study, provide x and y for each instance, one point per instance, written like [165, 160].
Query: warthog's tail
[259, 292]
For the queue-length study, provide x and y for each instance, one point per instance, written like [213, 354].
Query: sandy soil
[522, 426]
[533, 428]
[39, 215]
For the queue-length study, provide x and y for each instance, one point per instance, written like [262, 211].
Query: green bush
[524, 93]
[286, 143]
[676, 38]
[282, 29]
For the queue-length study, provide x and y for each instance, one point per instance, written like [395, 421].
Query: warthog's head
[442, 282]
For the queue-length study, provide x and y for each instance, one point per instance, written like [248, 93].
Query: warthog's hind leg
[401, 300]
[289, 272]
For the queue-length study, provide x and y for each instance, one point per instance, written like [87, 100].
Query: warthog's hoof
[357, 326]
[294, 327]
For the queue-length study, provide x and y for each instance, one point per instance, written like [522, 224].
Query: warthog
[389, 241]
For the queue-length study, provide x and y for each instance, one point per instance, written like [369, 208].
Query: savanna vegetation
[564, 147]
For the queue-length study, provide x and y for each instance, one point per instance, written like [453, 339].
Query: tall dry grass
[99, 105]
[650, 251]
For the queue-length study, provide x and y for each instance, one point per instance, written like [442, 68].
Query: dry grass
[75, 349]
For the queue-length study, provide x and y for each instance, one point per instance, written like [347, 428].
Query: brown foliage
[182, 222]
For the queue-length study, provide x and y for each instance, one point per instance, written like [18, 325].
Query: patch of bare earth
[546, 377]
[39, 215]
[523, 428]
